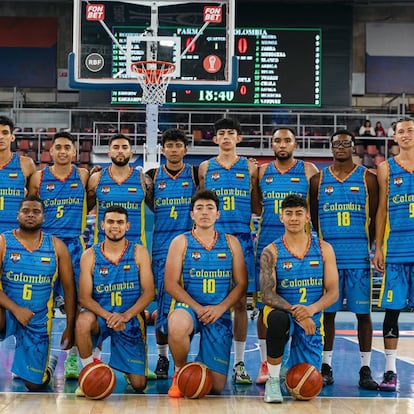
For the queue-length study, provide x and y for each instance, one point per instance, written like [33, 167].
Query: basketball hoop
[154, 77]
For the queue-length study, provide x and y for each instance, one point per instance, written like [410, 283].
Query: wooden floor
[344, 397]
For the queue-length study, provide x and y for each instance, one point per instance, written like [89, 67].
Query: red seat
[24, 144]
[85, 157]
[45, 157]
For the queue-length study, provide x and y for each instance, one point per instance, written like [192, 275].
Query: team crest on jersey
[269, 180]
[215, 176]
[287, 266]
[196, 255]
[221, 256]
[106, 189]
[103, 271]
[314, 263]
[398, 181]
[162, 185]
[50, 187]
[15, 257]
[185, 184]
[329, 190]
[239, 176]
[295, 180]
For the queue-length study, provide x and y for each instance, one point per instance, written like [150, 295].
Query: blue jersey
[233, 188]
[207, 273]
[399, 229]
[28, 276]
[172, 206]
[65, 203]
[116, 285]
[12, 190]
[343, 210]
[299, 280]
[129, 194]
[275, 186]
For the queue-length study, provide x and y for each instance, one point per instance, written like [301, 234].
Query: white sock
[86, 361]
[327, 357]
[390, 360]
[239, 347]
[97, 353]
[263, 350]
[365, 359]
[163, 350]
[274, 370]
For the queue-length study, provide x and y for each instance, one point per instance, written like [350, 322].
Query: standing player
[205, 274]
[122, 185]
[234, 180]
[394, 253]
[115, 286]
[174, 184]
[344, 199]
[15, 172]
[298, 279]
[285, 175]
[31, 261]
[62, 189]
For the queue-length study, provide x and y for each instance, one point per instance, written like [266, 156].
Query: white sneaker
[272, 391]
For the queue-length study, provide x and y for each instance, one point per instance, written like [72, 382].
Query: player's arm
[380, 217]
[149, 191]
[202, 169]
[255, 196]
[372, 186]
[268, 280]
[91, 189]
[84, 176]
[310, 170]
[28, 168]
[67, 280]
[313, 200]
[34, 184]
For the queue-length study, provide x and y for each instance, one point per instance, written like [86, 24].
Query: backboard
[196, 36]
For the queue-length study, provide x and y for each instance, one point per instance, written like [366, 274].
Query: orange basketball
[304, 381]
[195, 380]
[97, 380]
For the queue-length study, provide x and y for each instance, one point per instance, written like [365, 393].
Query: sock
[390, 360]
[263, 350]
[97, 353]
[327, 357]
[163, 350]
[176, 369]
[274, 370]
[365, 359]
[86, 361]
[239, 347]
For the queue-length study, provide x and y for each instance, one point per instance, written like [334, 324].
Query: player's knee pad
[390, 325]
[278, 324]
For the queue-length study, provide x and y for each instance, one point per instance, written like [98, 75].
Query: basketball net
[154, 77]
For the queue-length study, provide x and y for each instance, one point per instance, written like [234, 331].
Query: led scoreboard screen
[276, 67]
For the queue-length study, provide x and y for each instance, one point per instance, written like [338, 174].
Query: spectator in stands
[379, 130]
[367, 130]
[391, 129]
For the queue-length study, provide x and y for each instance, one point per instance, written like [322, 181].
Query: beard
[283, 157]
[113, 239]
[32, 228]
[120, 163]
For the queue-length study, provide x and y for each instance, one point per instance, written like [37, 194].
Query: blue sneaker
[272, 391]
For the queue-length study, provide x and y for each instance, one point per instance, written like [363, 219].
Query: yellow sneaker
[174, 391]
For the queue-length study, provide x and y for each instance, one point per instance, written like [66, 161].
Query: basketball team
[316, 232]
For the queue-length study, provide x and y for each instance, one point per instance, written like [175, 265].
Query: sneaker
[365, 379]
[60, 304]
[389, 382]
[174, 391]
[53, 359]
[272, 391]
[240, 375]
[327, 375]
[71, 367]
[151, 376]
[163, 365]
[79, 392]
[263, 375]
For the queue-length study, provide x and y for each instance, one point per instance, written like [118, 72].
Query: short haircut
[119, 136]
[343, 132]
[294, 200]
[227, 123]
[63, 134]
[174, 134]
[406, 119]
[278, 128]
[204, 195]
[5, 120]
[116, 209]
[32, 198]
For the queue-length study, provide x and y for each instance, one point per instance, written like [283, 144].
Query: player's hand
[210, 314]
[308, 326]
[95, 169]
[253, 161]
[23, 315]
[378, 261]
[301, 312]
[67, 339]
[116, 321]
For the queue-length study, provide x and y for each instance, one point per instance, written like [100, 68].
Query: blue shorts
[128, 347]
[31, 355]
[246, 243]
[355, 286]
[302, 347]
[397, 290]
[215, 341]
[163, 298]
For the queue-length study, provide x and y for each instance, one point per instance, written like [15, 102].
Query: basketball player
[394, 253]
[234, 179]
[285, 175]
[31, 261]
[115, 286]
[120, 184]
[174, 184]
[205, 274]
[298, 279]
[62, 187]
[15, 171]
[344, 198]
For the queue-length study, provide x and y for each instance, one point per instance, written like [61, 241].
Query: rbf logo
[212, 14]
[95, 12]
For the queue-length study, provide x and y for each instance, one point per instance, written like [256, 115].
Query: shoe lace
[241, 371]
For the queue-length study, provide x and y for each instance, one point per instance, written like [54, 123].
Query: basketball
[195, 380]
[97, 380]
[304, 381]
